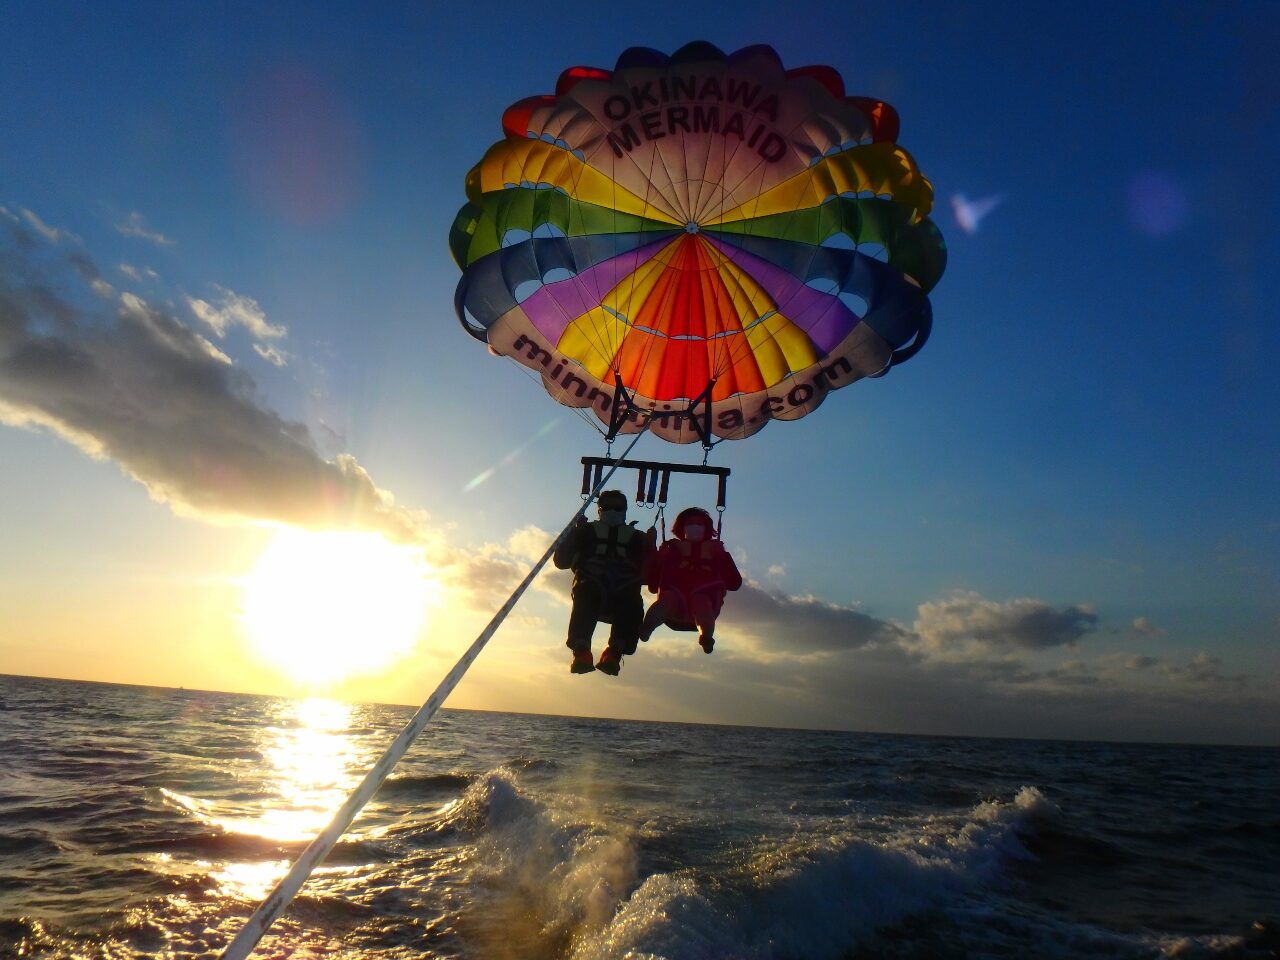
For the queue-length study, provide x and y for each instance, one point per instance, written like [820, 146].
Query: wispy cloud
[130, 382]
[1143, 629]
[135, 225]
[1133, 661]
[137, 273]
[276, 358]
[233, 310]
[1203, 668]
[54, 235]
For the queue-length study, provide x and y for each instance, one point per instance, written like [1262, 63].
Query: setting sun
[325, 606]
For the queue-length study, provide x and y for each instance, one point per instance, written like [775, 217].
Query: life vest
[611, 541]
[697, 558]
[690, 568]
[610, 551]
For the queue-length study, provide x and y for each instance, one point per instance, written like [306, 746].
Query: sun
[325, 606]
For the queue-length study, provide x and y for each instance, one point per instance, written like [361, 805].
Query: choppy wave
[556, 839]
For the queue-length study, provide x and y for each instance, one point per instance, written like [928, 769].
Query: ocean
[144, 822]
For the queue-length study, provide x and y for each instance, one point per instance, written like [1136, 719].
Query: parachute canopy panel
[693, 220]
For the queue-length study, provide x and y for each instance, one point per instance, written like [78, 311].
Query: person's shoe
[582, 662]
[707, 642]
[610, 662]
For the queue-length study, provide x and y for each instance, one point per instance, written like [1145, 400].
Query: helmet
[693, 515]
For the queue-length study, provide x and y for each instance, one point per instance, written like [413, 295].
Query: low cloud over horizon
[124, 379]
[967, 663]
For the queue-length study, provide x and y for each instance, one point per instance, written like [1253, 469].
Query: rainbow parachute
[699, 226]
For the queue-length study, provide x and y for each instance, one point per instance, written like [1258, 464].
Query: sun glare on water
[324, 606]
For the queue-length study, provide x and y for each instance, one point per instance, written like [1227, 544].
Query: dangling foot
[582, 662]
[610, 662]
[707, 642]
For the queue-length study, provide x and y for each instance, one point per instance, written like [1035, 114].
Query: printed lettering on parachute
[693, 222]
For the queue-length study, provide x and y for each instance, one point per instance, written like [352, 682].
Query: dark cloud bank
[127, 380]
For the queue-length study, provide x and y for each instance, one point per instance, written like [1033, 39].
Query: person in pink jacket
[691, 575]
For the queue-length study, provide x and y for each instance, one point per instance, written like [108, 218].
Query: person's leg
[582, 623]
[704, 608]
[654, 617]
[628, 615]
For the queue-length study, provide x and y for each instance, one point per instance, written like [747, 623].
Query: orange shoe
[582, 662]
[610, 662]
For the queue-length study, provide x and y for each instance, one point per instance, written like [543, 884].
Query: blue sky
[1091, 429]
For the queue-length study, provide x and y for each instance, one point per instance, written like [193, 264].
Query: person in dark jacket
[691, 575]
[608, 557]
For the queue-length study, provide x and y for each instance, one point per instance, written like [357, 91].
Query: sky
[226, 317]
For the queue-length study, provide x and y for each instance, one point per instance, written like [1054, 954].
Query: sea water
[150, 822]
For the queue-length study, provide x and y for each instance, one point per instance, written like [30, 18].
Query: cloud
[135, 225]
[776, 570]
[234, 310]
[137, 274]
[488, 574]
[1075, 673]
[1203, 668]
[54, 235]
[1143, 628]
[1139, 661]
[529, 543]
[968, 626]
[131, 383]
[270, 354]
[846, 669]
[804, 624]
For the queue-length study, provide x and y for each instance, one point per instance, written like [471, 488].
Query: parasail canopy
[698, 227]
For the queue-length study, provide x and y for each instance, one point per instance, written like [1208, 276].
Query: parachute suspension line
[288, 886]
[578, 412]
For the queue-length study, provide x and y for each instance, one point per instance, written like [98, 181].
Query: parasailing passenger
[608, 557]
[690, 575]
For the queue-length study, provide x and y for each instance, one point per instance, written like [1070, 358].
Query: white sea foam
[815, 898]
[818, 899]
[559, 868]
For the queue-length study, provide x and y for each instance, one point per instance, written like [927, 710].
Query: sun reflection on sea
[315, 763]
[249, 881]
